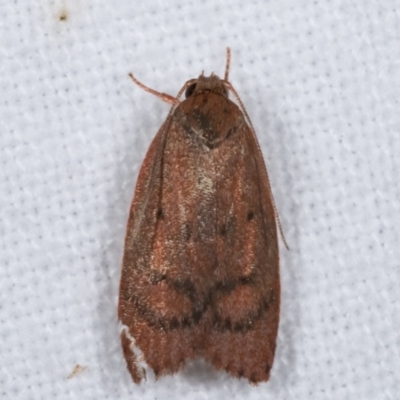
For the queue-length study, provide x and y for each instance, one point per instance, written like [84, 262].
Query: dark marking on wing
[194, 317]
[160, 214]
[250, 215]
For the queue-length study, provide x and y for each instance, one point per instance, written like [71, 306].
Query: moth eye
[189, 91]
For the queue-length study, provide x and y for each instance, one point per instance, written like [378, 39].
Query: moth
[200, 273]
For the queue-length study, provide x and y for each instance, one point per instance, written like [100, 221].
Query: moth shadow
[197, 372]
[280, 144]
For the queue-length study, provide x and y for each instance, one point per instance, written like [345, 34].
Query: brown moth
[200, 274]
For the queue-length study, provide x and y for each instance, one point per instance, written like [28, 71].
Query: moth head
[203, 84]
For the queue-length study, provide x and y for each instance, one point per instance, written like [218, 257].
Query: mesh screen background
[320, 82]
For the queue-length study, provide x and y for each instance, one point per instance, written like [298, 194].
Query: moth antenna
[163, 96]
[228, 63]
[278, 221]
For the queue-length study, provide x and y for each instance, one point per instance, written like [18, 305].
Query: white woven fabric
[320, 80]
